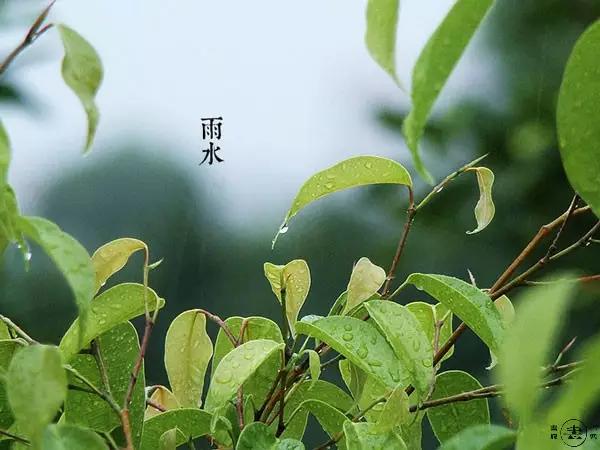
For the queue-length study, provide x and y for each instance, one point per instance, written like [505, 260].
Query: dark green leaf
[70, 437]
[258, 436]
[192, 423]
[7, 350]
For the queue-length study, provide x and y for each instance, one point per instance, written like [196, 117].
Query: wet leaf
[406, 336]
[36, 386]
[188, 350]
[82, 72]
[295, 421]
[484, 209]
[395, 411]
[163, 397]
[192, 423]
[69, 256]
[7, 350]
[71, 437]
[361, 343]
[435, 64]
[481, 437]
[119, 348]
[236, 367]
[365, 389]
[366, 436]
[577, 117]
[168, 440]
[258, 436]
[469, 303]
[365, 281]
[117, 305]
[450, 419]
[331, 419]
[314, 364]
[112, 257]
[428, 315]
[507, 313]
[540, 314]
[358, 171]
[294, 280]
[4, 155]
[382, 21]
[9, 223]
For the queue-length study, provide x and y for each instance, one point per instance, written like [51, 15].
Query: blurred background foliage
[209, 264]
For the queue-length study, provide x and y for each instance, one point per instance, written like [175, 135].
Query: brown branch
[34, 32]
[14, 437]
[221, 323]
[155, 405]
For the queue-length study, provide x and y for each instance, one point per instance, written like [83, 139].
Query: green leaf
[119, 348]
[469, 303]
[7, 350]
[540, 314]
[366, 436]
[358, 171]
[258, 436]
[69, 256]
[406, 336]
[450, 419]
[365, 281]
[481, 437]
[435, 64]
[192, 423]
[117, 305]
[235, 369]
[295, 421]
[259, 383]
[168, 440]
[361, 343]
[428, 315]
[577, 117]
[9, 223]
[382, 21]
[365, 389]
[4, 155]
[507, 313]
[36, 385]
[484, 209]
[163, 397]
[82, 72]
[188, 350]
[112, 257]
[71, 437]
[331, 419]
[395, 411]
[314, 364]
[294, 280]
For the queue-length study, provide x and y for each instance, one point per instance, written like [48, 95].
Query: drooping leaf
[112, 257]
[36, 386]
[577, 117]
[469, 303]
[331, 419]
[395, 411]
[450, 419]
[481, 437]
[360, 342]
[380, 37]
[428, 315]
[406, 336]
[168, 440]
[82, 72]
[188, 350]
[192, 423]
[540, 314]
[236, 367]
[258, 436]
[69, 256]
[293, 281]
[4, 155]
[507, 313]
[7, 350]
[10, 231]
[71, 437]
[366, 436]
[119, 348]
[163, 397]
[358, 171]
[117, 305]
[435, 64]
[260, 382]
[295, 421]
[484, 209]
[365, 281]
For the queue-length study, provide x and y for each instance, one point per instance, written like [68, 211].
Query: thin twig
[554, 246]
[155, 405]
[14, 437]
[18, 330]
[99, 392]
[221, 323]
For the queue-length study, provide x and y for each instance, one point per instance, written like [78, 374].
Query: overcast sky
[293, 81]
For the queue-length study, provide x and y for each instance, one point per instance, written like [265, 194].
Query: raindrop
[363, 352]
[329, 186]
[284, 228]
[438, 190]
[375, 363]
[348, 327]
[224, 377]
[347, 336]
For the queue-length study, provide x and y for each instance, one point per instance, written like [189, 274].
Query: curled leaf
[112, 257]
[365, 281]
[485, 209]
[380, 37]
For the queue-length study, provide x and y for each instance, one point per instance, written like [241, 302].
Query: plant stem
[100, 393]
[14, 437]
[18, 330]
[216, 319]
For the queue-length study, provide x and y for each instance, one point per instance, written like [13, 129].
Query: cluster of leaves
[265, 378]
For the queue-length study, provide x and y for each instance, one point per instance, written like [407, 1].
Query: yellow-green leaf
[331, 419]
[395, 411]
[481, 437]
[435, 64]
[192, 423]
[484, 209]
[163, 397]
[314, 364]
[82, 72]
[357, 171]
[577, 117]
[365, 281]
[380, 37]
[428, 315]
[507, 313]
[188, 350]
[293, 279]
[112, 257]
[168, 440]
[4, 155]
[118, 304]
[366, 436]
[71, 437]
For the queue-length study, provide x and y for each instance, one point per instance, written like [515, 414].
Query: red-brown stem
[216, 319]
[155, 405]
